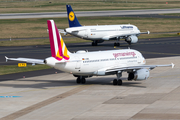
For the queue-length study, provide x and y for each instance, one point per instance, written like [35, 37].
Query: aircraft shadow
[44, 84]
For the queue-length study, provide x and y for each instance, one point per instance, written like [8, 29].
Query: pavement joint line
[39, 89]
[39, 105]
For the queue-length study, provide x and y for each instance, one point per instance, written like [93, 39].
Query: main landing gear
[94, 43]
[118, 81]
[117, 44]
[81, 80]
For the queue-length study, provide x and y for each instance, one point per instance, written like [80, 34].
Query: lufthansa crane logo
[71, 16]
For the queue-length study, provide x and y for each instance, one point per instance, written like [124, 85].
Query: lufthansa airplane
[101, 33]
[83, 64]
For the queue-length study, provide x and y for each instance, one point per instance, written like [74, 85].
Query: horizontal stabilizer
[148, 32]
[28, 60]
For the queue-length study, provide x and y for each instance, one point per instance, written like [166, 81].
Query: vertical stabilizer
[73, 21]
[58, 47]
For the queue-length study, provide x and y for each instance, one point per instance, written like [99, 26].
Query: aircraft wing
[150, 67]
[122, 35]
[28, 60]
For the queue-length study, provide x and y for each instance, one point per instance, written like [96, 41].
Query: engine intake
[141, 74]
[131, 39]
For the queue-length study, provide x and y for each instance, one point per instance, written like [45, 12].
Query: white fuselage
[103, 32]
[93, 63]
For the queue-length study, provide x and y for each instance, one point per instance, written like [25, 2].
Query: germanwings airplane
[83, 64]
[101, 33]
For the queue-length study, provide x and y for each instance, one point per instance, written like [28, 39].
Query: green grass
[9, 69]
[29, 28]
[172, 14]
[38, 42]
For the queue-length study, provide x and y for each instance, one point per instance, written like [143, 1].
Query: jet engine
[131, 39]
[141, 74]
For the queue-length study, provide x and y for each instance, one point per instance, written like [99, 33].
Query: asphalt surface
[58, 96]
[150, 48]
[87, 13]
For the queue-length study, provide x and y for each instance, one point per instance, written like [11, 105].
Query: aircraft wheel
[115, 82]
[94, 43]
[78, 80]
[119, 82]
[115, 44]
[83, 81]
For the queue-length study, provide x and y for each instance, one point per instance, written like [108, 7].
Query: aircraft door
[86, 33]
[78, 63]
[138, 58]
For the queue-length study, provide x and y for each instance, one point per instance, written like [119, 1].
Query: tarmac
[58, 96]
[88, 13]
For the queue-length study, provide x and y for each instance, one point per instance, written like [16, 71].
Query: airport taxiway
[57, 96]
[87, 13]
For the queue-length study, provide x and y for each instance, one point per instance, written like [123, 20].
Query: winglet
[172, 65]
[6, 58]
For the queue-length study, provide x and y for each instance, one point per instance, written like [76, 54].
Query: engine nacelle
[132, 39]
[141, 74]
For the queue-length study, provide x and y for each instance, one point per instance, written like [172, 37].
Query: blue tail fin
[73, 21]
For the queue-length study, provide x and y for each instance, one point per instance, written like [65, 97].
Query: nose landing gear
[94, 43]
[117, 43]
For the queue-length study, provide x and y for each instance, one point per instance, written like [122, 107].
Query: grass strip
[28, 28]
[9, 69]
[172, 14]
